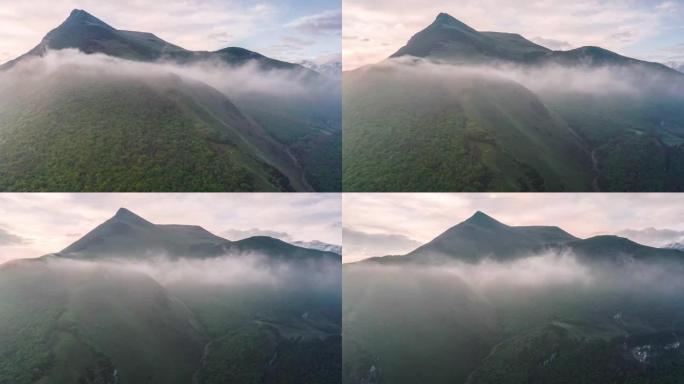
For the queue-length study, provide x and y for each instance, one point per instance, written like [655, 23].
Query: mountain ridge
[483, 237]
[434, 40]
[127, 235]
[89, 34]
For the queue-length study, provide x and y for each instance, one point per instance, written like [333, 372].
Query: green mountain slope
[412, 130]
[471, 306]
[167, 133]
[463, 110]
[104, 310]
[92, 324]
[90, 131]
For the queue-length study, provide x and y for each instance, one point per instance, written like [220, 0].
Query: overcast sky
[645, 29]
[284, 29]
[413, 219]
[32, 225]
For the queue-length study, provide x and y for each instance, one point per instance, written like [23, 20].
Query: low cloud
[230, 270]
[247, 80]
[538, 272]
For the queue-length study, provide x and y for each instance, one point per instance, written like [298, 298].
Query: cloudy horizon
[643, 29]
[290, 30]
[396, 223]
[32, 225]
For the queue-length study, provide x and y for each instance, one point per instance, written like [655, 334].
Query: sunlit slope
[411, 130]
[99, 324]
[80, 129]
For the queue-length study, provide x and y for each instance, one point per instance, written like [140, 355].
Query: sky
[32, 225]
[290, 30]
[379, 224]
[645, 29]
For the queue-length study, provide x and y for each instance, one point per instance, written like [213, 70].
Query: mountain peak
[448, 21]
[81, 17]
[482, 219]
[124, 214]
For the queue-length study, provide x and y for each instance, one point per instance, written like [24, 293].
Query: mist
[536, 273]
[547, 79]
[246, 80]
[229, 271]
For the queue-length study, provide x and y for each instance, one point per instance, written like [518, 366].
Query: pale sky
[420, 217]
[32, 225]
[646, 29]
[289, 30]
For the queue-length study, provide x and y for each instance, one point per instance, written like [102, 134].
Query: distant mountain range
[104, 309]
[142, 129]
[493, 111]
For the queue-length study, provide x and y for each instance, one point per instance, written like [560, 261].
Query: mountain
[483, 237]
[88, 34]
[615, 310]
[506, 114]
[127, 235]
[112, 117]
[450, 40]
[105, 310]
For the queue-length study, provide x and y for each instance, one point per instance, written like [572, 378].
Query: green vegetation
[124, 134]
[490, 111]
[101, 310]
[465, 134]
[437, 316]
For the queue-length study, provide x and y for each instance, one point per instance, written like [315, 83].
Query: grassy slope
[484, 134]
[638, 141]
[93, 133]
[401, 328]
[549, 334]
[63, 325]
[309, 125]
